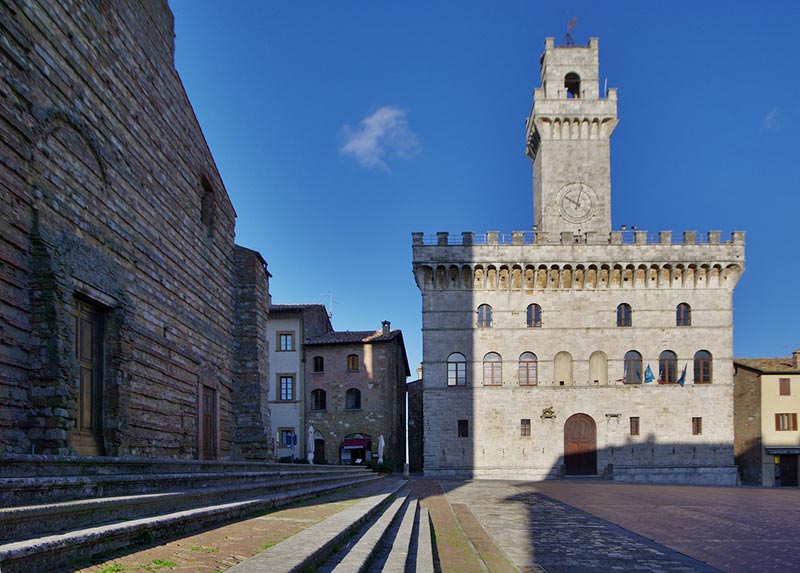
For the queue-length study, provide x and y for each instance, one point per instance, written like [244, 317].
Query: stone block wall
[748, 450]
[111, 196]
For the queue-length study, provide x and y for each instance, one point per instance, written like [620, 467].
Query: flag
[682, 379]
[648, 374]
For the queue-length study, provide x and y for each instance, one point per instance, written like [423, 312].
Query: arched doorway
[580, 445]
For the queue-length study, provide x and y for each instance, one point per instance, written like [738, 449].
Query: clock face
[576, 201]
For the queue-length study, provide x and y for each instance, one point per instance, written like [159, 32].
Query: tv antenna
[330, 303]
[568, 41]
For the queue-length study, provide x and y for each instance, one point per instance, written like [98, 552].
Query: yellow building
[766, 404]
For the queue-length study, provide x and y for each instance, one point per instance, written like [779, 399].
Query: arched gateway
[580, 445]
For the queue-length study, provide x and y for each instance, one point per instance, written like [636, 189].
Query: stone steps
[385, 532]
[49, 536]
[34, 490]
[24, 522]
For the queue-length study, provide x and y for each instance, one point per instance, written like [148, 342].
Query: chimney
[796, 359]
[386, 327]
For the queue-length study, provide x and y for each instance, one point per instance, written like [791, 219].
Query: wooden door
[788, 469]
[580, 445]
[319, 449]
[87, 436]
[208, 423]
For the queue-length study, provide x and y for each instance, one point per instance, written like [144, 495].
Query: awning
[787, 450]
[355, 444]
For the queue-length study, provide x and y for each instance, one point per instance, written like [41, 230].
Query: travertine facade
[535, 345]
[359, 378]
[130, 323]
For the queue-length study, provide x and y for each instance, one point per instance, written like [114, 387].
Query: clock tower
[568, 139]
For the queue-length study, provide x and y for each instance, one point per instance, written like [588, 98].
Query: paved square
[605, 526]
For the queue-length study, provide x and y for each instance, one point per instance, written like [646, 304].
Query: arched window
[702, 367]
[683, 315]
[484, 316]
[563, 368]
[528, 369]
[319, 364]
[572, 82]
[352, 362]
[492, 369]
[633, 367]
[352, 399]
[456, 370]
[667, 367]
[534, 315]
[318, 400]
[624, 315]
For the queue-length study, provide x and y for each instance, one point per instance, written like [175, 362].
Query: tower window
[352, 399]
[683, 315]
[624, 315]
[352, 362]
[492, 369]
[484, 316]
[702, 367]
[572, 82]
[633, 367]
[319, 364]
[534, 318]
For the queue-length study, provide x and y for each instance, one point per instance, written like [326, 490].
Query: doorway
[580, 445]
[87, 436]
[786, 474]
[208, 423]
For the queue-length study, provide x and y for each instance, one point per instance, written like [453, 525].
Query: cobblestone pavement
[540, 534]
[736, 529]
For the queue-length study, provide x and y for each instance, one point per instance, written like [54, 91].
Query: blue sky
[341, 127]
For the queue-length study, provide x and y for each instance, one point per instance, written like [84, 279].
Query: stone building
[289, 327]
[575, 349]
[130, 322]
[355, 392]
[416, 429]
[766, 406]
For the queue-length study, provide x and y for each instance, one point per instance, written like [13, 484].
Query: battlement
[468, 238]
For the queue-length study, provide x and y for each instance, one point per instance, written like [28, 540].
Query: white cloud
[771, 121]
[383, 135]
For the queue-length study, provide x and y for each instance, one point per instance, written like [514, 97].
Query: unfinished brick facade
[129, 317]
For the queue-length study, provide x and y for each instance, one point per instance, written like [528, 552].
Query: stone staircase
[58, 510]
[386, 532]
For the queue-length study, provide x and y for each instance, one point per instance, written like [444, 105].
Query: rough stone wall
[253, 439]
[416, 432]
[747, 447]
[378, 380]
[109, 192]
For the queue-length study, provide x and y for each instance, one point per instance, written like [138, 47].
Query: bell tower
[568, 139]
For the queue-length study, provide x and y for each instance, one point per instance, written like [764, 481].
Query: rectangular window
[285, 341]
[352, 362]
[697, 426]
[634, 425]
[786, 422]
[463, 429]
[286, 386]
[785, 387]
[287, 437]
[525, 427]
[456, 373]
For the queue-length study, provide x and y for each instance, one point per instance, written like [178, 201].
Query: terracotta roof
[353, 337]
[768, 365]
[293, 307]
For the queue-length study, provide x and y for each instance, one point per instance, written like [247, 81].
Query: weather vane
[568, 41]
